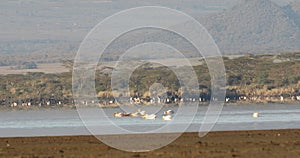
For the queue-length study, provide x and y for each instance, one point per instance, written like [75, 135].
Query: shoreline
[151, 134]
[262, 143]
[70, 107]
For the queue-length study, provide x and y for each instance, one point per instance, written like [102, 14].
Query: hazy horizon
[37, 26]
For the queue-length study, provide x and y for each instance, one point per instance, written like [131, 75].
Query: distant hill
[254, 26]
[294, 11]
[251, 26]
[296, 6]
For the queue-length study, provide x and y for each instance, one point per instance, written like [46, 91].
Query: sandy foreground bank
[271, 143]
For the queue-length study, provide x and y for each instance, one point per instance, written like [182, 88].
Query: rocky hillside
[254, 26]
[295, 11]
[296, 6]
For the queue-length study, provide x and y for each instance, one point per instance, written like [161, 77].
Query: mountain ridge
[253, 26]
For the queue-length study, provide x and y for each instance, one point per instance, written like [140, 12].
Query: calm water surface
[68, 122]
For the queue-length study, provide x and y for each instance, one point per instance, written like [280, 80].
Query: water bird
[120, 114]
[255, 115]
[168, 112]
[142, 113]
[126, 114]
[134, 114]
[227, 100]
[167, 117]
[117, 114]
[149, 117]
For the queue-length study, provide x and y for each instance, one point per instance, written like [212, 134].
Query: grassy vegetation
[263, 75]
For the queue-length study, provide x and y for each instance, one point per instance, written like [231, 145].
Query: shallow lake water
[68, 122]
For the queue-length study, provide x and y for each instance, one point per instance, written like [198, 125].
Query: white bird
[167, 117]
[168, 112]
[255, 115]
[117, 114]
[149, 117]
[142, 113]
[227, 100]
[134, 114]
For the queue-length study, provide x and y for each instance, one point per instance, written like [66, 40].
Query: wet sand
[260, 144]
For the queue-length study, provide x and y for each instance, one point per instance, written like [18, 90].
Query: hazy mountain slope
[295, 7]
[253, 26]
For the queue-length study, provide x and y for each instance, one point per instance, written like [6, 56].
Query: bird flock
[167, 115]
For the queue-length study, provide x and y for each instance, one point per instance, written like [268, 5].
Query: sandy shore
[260, 144]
